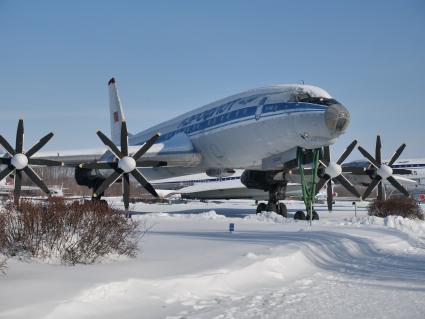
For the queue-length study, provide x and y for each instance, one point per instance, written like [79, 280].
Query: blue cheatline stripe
[270, 108]
[408, 165]
[236, 116]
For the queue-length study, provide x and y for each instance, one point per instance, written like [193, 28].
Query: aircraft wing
[178, 151]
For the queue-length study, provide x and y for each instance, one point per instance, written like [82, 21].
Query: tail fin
[116, 112]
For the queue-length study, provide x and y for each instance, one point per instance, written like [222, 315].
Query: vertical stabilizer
[116, 112]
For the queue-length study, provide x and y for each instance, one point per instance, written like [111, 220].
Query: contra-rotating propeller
[333, 171]
[19, 161]
[381, 171]
[124, 166]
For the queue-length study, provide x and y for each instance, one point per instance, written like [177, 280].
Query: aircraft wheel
[272, 207]
[283, 210]
[262, 207]
[315, 216]
[299, 215]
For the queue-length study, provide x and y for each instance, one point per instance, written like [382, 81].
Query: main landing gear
[275, 193]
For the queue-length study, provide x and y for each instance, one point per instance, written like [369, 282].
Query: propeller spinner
[20, 161]
[382, 171]
[124, 166]
[333, 171]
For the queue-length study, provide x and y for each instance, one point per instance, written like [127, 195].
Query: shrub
[403, 206]
[3, 266]
[68, 232]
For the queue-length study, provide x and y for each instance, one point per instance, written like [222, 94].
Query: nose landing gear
[308, 188]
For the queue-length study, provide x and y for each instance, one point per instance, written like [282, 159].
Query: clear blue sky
[172, 56]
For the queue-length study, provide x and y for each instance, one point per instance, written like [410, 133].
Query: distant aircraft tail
[116, 112]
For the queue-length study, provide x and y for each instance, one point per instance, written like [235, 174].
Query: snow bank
[412, 227]
[234, 282]
[206, 215]
[269, 217]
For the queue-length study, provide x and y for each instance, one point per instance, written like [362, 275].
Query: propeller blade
[44, 162]
[401, 171]
[326, 155]
[20, 137]
[354, 170]
[18, 186]
[148, 163]
[36, 179]
[100, 165]
[114, 149]
[146, 146]
[397, 154]
[108, 182]
[321, 183]
[368, 156]
[398, 186]
[370, 188]
[126, 190]
[381, 193]
[378, 147]
[7, 146]
[4, 160]
[124, 138]
[6, 172]
[142, 180]
[347, 152]
[344, 182]
[329, 197]
[43, 141]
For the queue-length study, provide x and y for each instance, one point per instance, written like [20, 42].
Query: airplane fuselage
[243, 130]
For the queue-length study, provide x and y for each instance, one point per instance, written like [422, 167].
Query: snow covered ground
[190, 266]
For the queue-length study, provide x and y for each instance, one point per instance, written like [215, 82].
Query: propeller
[20, 161]
[381, 171]
[124, 165]
[333, 171]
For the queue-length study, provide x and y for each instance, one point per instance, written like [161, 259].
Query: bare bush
[3, 266]
[403, 206]
[69, 232]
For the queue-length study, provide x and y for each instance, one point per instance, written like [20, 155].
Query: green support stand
[308, 188]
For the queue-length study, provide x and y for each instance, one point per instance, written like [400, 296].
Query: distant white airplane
[7, 186]
[204, 187]
[264, 131]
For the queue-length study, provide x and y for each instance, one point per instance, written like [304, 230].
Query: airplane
[266, 131]
[7, 186]
[204, 187]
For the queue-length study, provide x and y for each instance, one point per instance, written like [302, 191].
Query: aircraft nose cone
[337, 118]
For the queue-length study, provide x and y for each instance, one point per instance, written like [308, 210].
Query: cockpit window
[307, 98]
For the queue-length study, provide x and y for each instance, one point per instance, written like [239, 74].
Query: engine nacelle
[88, 177]
[264, 180]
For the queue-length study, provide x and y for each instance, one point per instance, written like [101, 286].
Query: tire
[271, 207]
[262, 207]
[299, 215]
[315, 216]
[283, 210]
